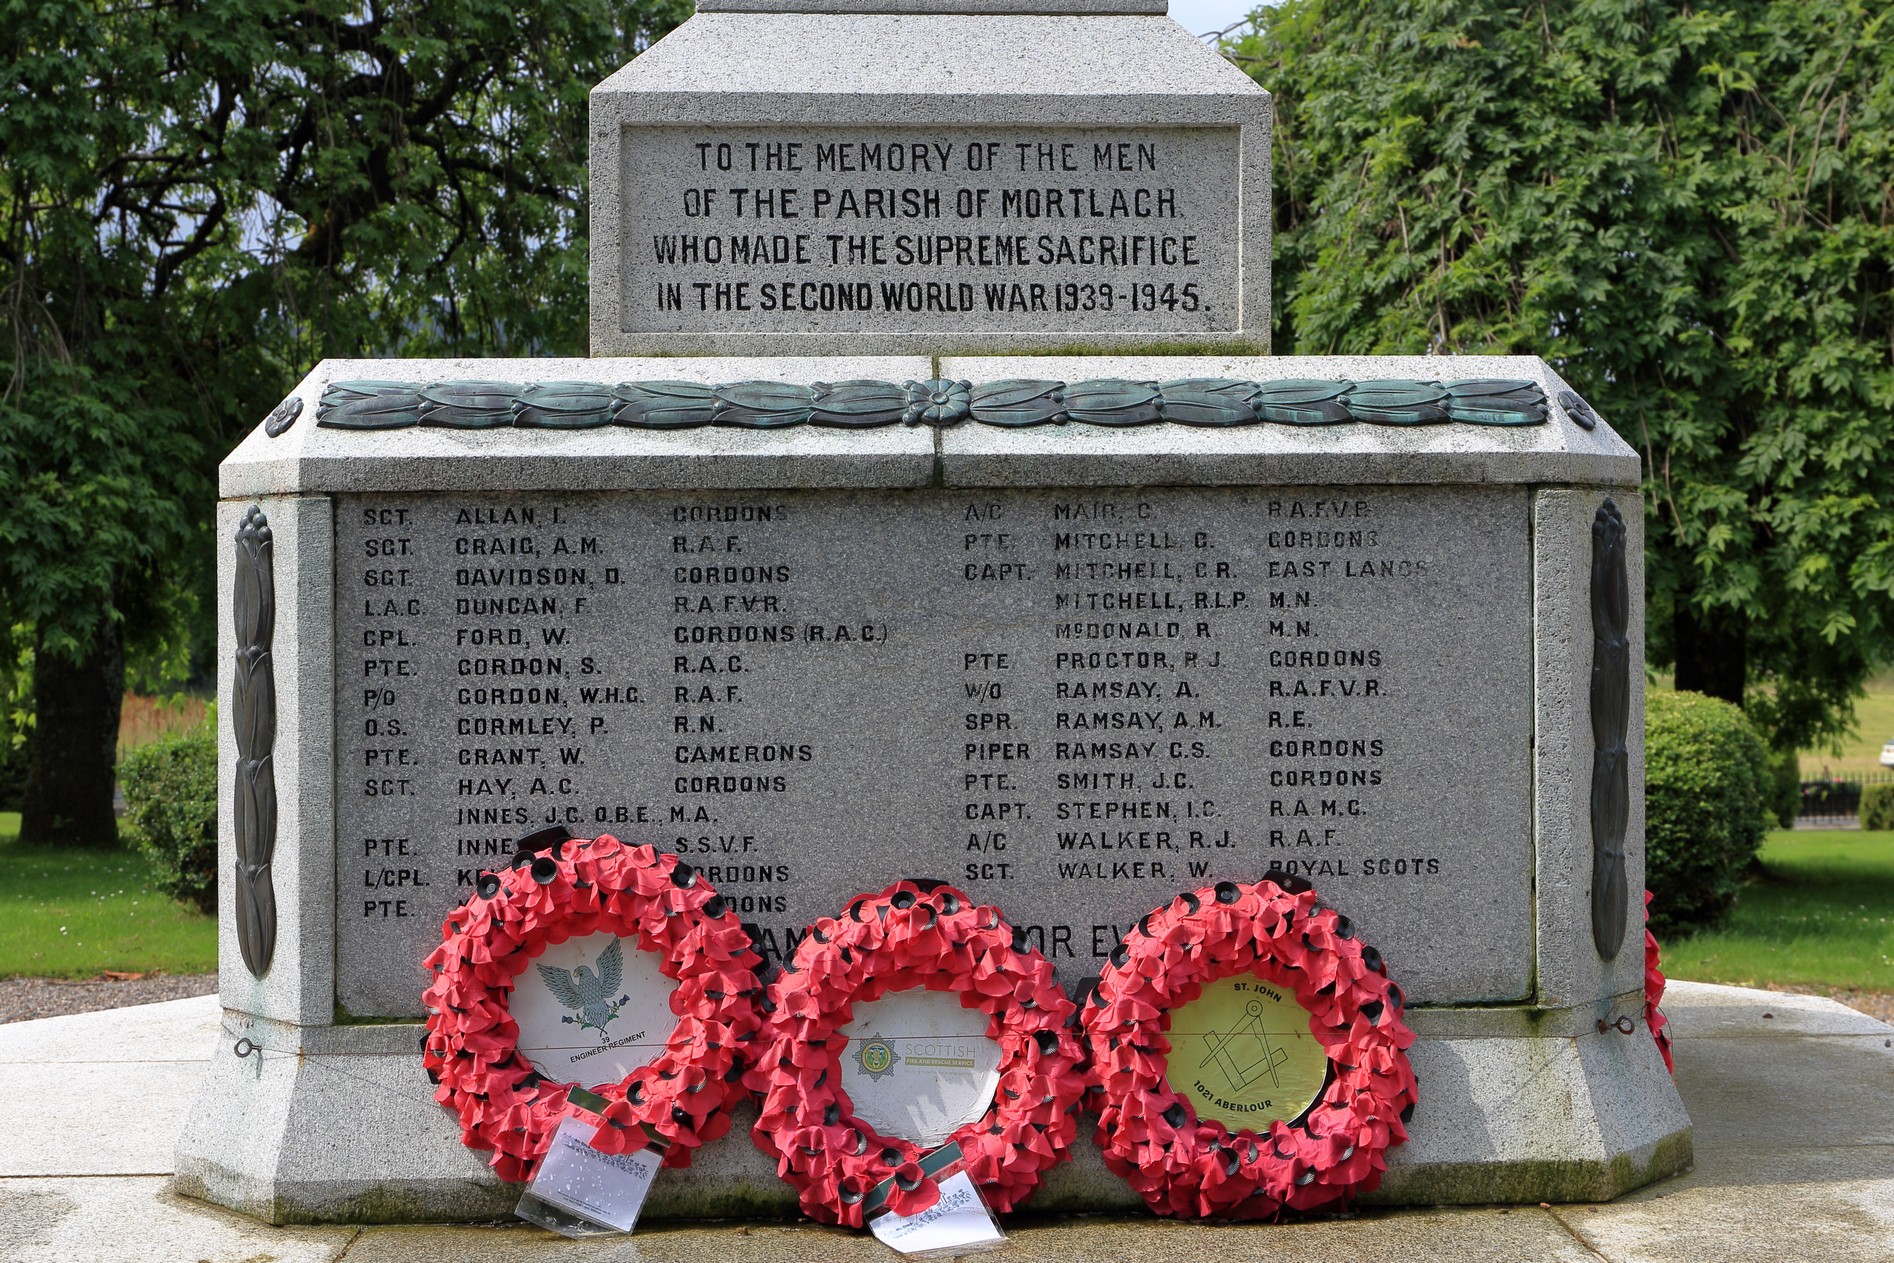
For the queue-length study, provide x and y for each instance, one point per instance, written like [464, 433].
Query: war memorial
[931, 511]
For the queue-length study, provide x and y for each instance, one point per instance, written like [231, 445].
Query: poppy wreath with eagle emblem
[913, 934]
[561, 888]
[1193, 1167]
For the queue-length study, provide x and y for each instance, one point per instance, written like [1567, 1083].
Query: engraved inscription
[1074, 704]
[778, 230]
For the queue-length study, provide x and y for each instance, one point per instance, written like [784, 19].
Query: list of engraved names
[1061, 229]
[1071, 704]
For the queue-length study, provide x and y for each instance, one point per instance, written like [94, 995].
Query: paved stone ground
[1793, 1099]
[1876, 1004]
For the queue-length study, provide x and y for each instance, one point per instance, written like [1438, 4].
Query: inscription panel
[930, 230]
[1073, 704]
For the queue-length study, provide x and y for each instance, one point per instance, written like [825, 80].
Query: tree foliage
[1690, 213]
[198, 199]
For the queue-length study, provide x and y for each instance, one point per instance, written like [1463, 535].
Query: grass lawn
[1821, 914]
[1874, 725]
[76, 914]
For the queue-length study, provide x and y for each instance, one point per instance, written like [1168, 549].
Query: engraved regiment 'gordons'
[1072, 704]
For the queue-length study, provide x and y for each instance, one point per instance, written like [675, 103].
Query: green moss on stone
[475, 1202]
[1528, 1181]
[403, 1204]
[345, 1018]
[1674, 1154]
[772, 1200]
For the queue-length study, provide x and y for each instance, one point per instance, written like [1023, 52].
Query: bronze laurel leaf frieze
[1211, 402]
[253, 721]
[1610, 724]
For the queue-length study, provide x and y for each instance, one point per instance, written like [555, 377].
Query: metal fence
[1838, 797]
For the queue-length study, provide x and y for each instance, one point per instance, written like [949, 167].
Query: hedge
[171, 805]
[1707, 790]
[1785, 787]
[1877, 806]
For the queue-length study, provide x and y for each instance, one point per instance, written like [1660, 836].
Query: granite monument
[1072, 631]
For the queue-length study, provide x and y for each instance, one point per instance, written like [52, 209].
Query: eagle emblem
[588, 993]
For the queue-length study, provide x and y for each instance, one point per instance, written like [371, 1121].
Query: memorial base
[491, 603]
[1533, 1105]
[339, 1125]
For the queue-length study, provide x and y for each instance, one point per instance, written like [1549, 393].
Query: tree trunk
[1712, 651]
[72, 754]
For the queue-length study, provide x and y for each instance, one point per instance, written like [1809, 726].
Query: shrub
[1877, 806]
[1706, 798]
[1785, 787]
[171, 805]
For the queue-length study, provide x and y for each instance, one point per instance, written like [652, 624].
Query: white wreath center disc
[918, 1066]
[591, 1010]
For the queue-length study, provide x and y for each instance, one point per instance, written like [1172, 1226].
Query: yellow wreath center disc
[1241, 1053]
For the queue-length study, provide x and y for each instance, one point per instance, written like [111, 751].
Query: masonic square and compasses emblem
[1245, 1052]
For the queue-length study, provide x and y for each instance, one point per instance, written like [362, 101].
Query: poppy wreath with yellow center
[1195, 1167]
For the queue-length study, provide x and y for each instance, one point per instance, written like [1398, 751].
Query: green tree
[199, 198]
[1689, 212]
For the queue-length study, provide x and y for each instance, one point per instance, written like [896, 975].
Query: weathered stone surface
[57, 1140]
[1072, 706]
[1053, 182]
[169, 1030]
[1068, 231]
[1705, 1011]
[1503, 1117]
[1582, 1118]
[310, 1126]
[299, 985]
[1775, 1178]
[128, 1219]
[1570, 967]
[941, 543]
[1795, 1142]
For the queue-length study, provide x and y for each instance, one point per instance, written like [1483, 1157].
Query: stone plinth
[1135, 625]
[1021, 178]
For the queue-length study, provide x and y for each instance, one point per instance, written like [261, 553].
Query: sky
[1198, 16]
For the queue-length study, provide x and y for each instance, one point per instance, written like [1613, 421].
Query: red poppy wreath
[1654, 991]
[913, 934]
[569, 889]
[1185, 1165]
